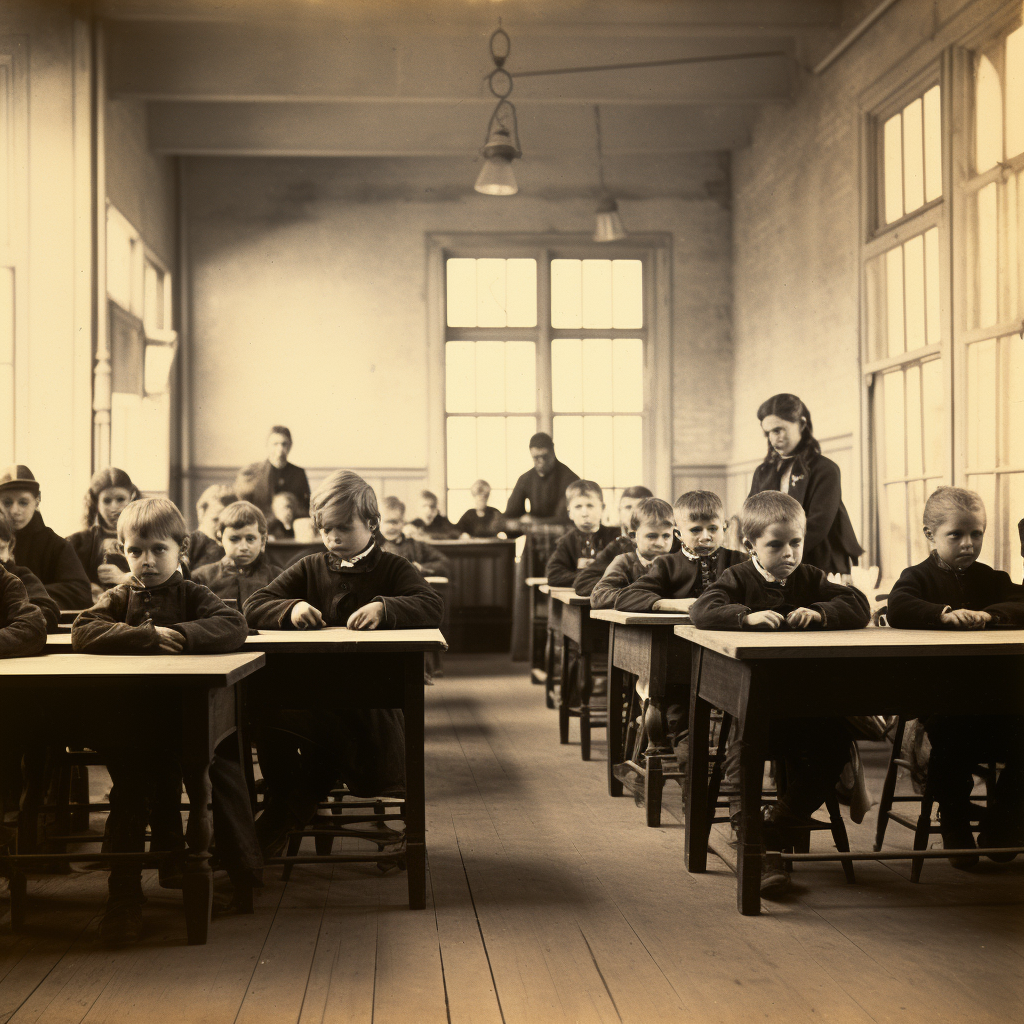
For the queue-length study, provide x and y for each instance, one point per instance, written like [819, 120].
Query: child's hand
[801, 618]
[763, 620]
[673, 604]
[305, 616]
[171, 641]
[111, 575]
[964, 618]
[369, 616]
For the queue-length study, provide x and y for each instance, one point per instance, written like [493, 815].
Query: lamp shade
[609, 224]
[496, 177]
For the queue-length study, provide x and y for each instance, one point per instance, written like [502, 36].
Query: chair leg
[889, 786]
[80, 798]
[586, 680]
[294, 842]
[63, 802]
[921, 833]
[324, 845]
[839, 836]
[564, 697]
[654, 785]
[18, 887]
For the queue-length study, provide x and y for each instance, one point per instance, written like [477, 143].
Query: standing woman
[794, 465]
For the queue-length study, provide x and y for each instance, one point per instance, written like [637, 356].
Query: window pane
[461, 293]
[490, 446]
[987, 269]
[894, 528]
[490, 376]
[597, 375]
[566, 293]
[933, 293]
[892, 160]
[490, 293]
[895, 443]
[988, 116]
[932, 144]
[628, 375]
[627, 294]
[916, 495]
[518, 431]
[457, 503]
[1013, 412]
[597, 449]
[597, 293]
[628, 452]
[567, 433]
[936, 421]
[981, 405]
[1014, 229]
[894, 301]
[985, 485]
[460, 376]
[520, 376]
[521, 281]
[913, 269]
[913, 156]
[876, 316]
[567, 375]
[120, 241]
[1013, 502]
[461, 451]
[915, 438]
[1015, 92]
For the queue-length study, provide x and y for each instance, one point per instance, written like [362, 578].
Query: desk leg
[564, 696]
[586, 689]
[197, 883]
[415, 796]
[752, 737]
[616, 697]
[695, 849]
[549, 668]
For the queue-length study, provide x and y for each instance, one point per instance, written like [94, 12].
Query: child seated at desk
[242, 532]
[41, 550]
[624, 544]
[426, 559]
[774, 590]
[431, 522]
[652, 531]
[34, 588]
[676, 580]
[203, 548]
[159, 612]
[22, 626]
[578, 547]
[304, 751]
[482, 520]
[97, 546]
[951, 589]
[285, 508]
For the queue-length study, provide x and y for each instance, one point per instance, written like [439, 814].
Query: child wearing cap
[46, 553]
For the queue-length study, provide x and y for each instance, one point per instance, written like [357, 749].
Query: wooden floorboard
[547, 902]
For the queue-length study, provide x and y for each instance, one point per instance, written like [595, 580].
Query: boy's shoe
[960, 837]
[774, 876]
[1002, 831]
[122, 921]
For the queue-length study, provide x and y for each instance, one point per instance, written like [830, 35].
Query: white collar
[644, 561]
[348, 563]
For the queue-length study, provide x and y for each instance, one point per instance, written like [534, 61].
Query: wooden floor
[547, 901]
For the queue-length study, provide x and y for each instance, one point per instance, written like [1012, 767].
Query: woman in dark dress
[794, 464]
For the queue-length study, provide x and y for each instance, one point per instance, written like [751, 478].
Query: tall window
[555, 343]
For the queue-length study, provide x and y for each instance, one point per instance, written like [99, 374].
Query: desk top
[436, 581]
[871, 642]
[219, 669]
[478, 542]
[640, 618]
[537, 581]
[568, 596]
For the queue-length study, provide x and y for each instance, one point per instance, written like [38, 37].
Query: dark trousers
[811, 753]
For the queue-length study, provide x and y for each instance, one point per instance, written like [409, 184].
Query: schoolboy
[285, 508]
[41, 550]
[37, 594]
[652, 531]
[584, 502]
[306, 748]
[22, 626]
[774, 590]
[431, 522]
[242, 533]
[426, 559]
[588, 576]
[159, 612]
[482, 520]
[203, 548]
[676, 580]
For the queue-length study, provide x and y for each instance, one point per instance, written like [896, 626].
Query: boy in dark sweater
[432, 522]
[426, 559]
[482, 520]
[651, 530]
[951, 589]
[242, 532]
[22, 627]
[305, 748]
[578, 547]
[773, 590]
[37, 594]
[624, 544]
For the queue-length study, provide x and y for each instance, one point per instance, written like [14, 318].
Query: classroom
[511, 511]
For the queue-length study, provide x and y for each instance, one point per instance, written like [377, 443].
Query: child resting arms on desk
[22, 626]
[951, 589]
[305, 749]
[774, 590]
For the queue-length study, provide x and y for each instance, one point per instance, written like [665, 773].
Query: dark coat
[624, 570]
[830, 542]
[440, 527]
[237, 583]
[925, 590]
[54, 561]
[742, 589]
[563, 565]
[292, 479]
[37, 594]
[587, 577]
[546, 493]
[92, 549]
[202, 550]
[675, 577]
[431, 561]
[490, 524]
[22, 626]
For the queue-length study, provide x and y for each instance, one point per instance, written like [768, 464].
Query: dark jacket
[676, 576]
[624, 570]
[431, 561]
[564, 561]
[54, 561]
[238, 583]
[93, 549]
[742, 589]
[925, 590]
[588, 576]
[292, 479]
[830, 542]
[124, 620]
[409, 603]
[202, 550]
[490, 524]
[37, 594]
[546, 493]
[440, 527]
[22, 626]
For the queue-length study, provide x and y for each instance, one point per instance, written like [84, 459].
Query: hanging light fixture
[501, 145]
[609, 224]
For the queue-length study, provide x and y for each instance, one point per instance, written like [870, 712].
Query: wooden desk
[552, 643]
[311, 665]
[643, 645]
[754, 677]
[207, 683]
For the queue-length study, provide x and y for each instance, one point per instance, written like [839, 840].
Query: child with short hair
[676, 580]
[285, 509]
[242, 533]
[22, 626]
[431, 522]
[774, 590]
[41, 550]
[951, 589]
[34, 588]
[580, 544]
[160, 612]
[426, 559]
[652, 531]
[624, 544]
[304, 750]
[96, 546]
[482, 520]
[283, 475]
[203, 548]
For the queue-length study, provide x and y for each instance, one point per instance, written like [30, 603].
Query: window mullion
[545, 416]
